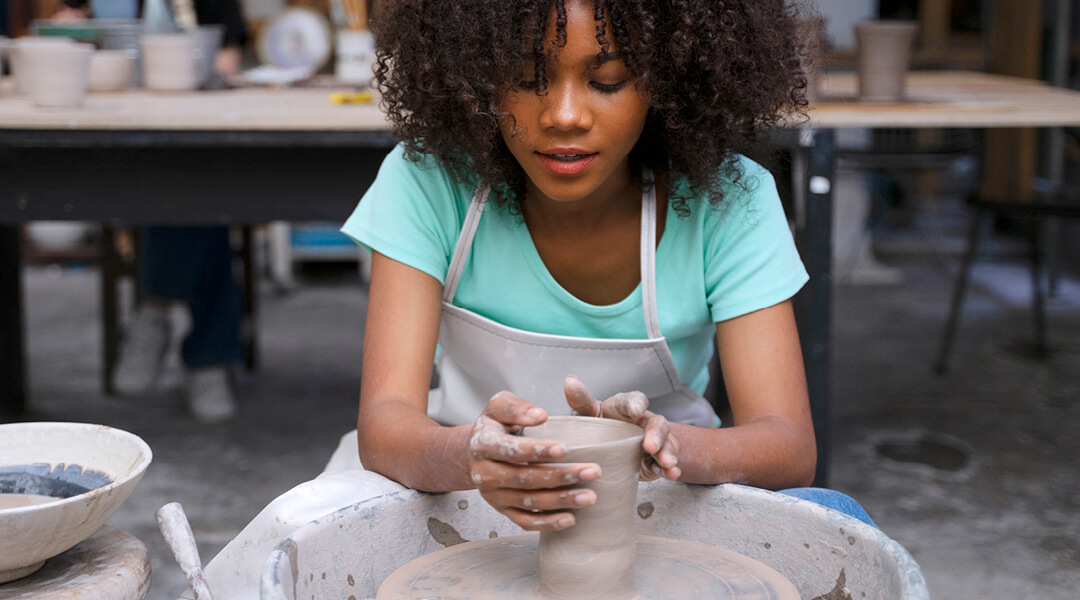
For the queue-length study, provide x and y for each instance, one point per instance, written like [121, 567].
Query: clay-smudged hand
[660, 447]
[515, 474]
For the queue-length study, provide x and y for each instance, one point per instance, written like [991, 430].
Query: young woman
[567, 224]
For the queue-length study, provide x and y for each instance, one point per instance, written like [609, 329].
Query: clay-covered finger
[668, 455]
[580, 400]
[491, 441]
[657, 434]
[632, 407]
[539, 521]
[514, 412]
[544, 500]
[532, 477]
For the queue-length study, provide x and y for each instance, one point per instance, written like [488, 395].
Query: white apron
[478, 359]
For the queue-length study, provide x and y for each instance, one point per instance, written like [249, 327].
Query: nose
[565, 108]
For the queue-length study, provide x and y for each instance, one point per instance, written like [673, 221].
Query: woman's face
[574, 141]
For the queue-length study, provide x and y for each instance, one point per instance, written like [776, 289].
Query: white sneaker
[210, 395]
[142, 351]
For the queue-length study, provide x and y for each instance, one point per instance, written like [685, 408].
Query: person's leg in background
[192, 265]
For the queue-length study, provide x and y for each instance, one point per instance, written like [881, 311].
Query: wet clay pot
[602, 539]
[883, 60]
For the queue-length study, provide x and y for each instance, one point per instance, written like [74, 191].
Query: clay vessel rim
[635, 434]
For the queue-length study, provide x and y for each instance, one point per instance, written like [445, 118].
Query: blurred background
[957, 433]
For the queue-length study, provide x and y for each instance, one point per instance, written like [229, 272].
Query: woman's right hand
[516, 474]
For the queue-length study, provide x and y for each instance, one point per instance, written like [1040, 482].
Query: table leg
[813, 306]
[12, 351]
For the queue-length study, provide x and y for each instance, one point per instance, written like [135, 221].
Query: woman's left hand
[661, 448]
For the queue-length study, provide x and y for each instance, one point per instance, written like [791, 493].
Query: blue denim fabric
[194, 265]
[832, 499]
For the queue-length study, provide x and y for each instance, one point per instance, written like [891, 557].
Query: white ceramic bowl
[97, 466]
[56, 235]
[110, 71]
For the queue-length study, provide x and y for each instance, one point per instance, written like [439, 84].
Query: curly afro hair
[717, 73]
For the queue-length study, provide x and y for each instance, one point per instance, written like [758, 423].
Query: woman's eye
[608, 88]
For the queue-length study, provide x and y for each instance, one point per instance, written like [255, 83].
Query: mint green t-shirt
[713, 265]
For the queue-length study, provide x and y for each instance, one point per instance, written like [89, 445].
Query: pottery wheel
[508, 567]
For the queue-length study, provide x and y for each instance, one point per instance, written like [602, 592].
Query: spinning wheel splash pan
[665, 569]
[821, 552]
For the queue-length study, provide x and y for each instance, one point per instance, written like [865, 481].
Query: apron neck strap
[464, 243]
[648, 254]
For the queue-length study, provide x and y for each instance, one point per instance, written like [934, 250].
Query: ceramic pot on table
[57, 73]
[883, 59]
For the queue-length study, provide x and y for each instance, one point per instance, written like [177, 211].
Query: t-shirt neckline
[536, 263]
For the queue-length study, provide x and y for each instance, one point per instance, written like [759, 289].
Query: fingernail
[557, 451]
[585, 498]
[589, 473]
[564, 521]
[534, 414]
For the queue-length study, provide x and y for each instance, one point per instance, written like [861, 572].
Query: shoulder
[748, 187]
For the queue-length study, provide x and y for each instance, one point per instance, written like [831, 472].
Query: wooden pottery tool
[177, 533]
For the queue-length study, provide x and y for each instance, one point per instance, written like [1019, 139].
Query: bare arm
[771, 444]
[397, 439]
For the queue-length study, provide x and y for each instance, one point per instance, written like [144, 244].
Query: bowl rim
[135, 471]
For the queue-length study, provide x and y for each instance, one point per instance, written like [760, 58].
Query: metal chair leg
[1038, 303]
[251, 329]
[952, 322]
[110, 280]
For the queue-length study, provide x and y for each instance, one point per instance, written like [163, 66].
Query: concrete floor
[974, 472]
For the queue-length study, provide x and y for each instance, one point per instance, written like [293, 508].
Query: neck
[614, 199]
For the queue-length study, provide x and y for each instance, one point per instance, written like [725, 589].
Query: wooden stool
[109, 565]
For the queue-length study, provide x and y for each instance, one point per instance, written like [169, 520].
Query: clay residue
[444, 533]
[645, 510]
[839, 591]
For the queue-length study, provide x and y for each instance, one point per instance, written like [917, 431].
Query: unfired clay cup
[57, 73]
[168, 62]
[19, 72]
[110, 71]
[571, 558]
[883, 59]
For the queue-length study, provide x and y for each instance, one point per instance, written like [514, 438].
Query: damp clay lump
[599, 558]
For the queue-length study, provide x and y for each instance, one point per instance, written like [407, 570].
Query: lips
[566, 161]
